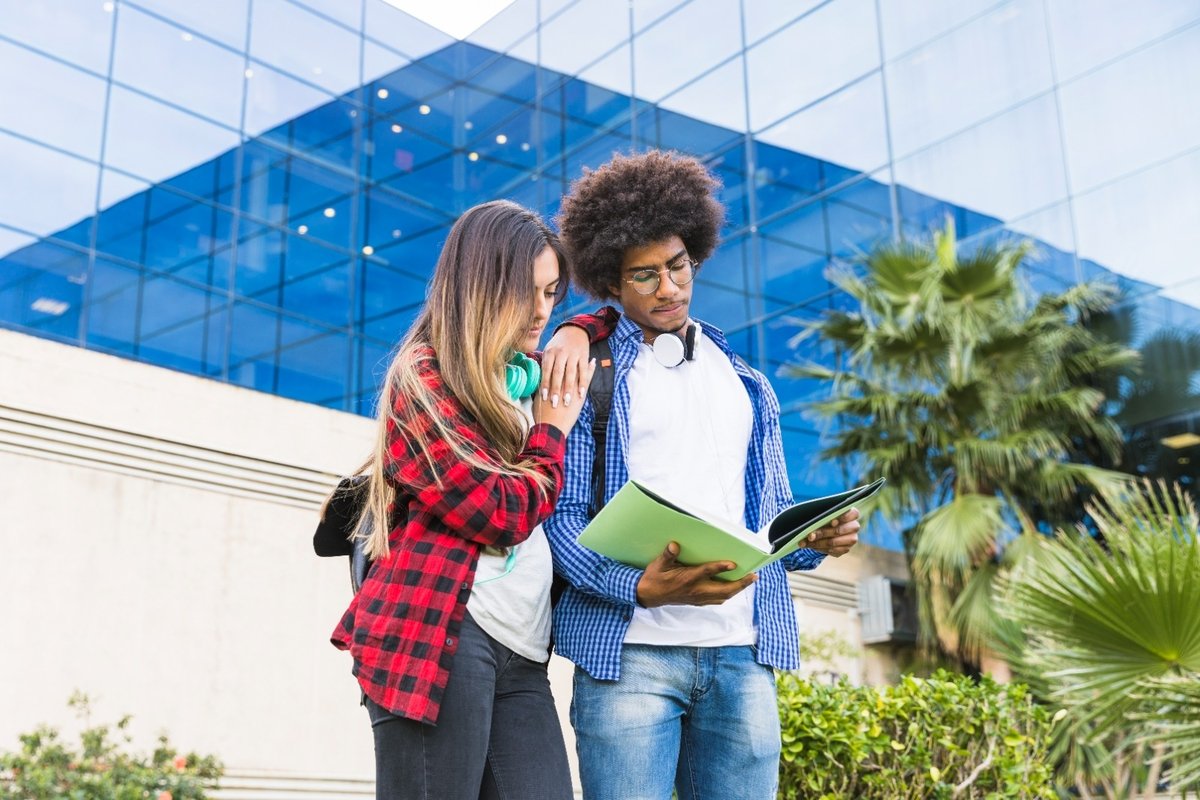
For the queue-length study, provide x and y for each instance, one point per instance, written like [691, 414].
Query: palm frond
[1109, 617]
[952, 538]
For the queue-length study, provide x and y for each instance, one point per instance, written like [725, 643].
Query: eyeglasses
[646, 281]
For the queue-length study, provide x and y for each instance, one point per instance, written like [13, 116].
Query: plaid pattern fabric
[402, 627]
[593, 614]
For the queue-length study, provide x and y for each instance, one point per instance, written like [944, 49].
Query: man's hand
[565, 370]
[667, 582]
[838, 536]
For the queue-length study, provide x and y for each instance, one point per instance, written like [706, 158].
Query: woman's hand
[563, 414]
[565, 370]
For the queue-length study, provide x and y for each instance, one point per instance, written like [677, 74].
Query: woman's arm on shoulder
[565, 359]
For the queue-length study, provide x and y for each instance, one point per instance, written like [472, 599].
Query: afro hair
[633, 201]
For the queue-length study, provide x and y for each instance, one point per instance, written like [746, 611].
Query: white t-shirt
[689, 436]
[510, 598]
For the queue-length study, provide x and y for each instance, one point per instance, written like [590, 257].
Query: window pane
[223, 20]
[80, 33]
[765, 18]
[316, 370]
[155, 142]
[907, 24]
[686, 44]
[980, 69]
[1141, 104]
[1021, 169]
[1144, 227]
[41, 289]
[50, 102]
[297, 41]
[1087, 33]
[565, 50]
[66, 188]
[274, 100]
[847, 129]
[204, 78]
[797, 66]
[718, 97]
[399, 31]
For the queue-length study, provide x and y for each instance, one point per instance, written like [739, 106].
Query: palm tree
[1109, 628]
[967, 394]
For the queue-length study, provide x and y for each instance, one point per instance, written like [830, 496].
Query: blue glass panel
[184, 236]
[264, 178]
[259, 265]
[320, 202]
[791, 273]
[255, 331]
[51, 103]
[167, 304]
[113, 307]
[990, 64]
[43, 289]
[658, 127]
[727, 266]
[65, 187]
[510, 140]
[730, 167]
[921, 214]
[203, 77]
[721, 307]
[327, 134]
[384, 291]
[784, 178]
[860, 217]
[391, 327]
[78, 32]
[373, 360]
[298, 41]
[588, 103]
[392, 225]
[316, 370]
[323, 295]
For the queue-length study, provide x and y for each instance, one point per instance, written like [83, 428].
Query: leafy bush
[46, 767]
[940, 737]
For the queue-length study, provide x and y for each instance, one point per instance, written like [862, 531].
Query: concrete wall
[156, 537]
[156, 533]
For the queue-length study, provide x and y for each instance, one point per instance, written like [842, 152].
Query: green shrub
[940, 737]
[46, 767]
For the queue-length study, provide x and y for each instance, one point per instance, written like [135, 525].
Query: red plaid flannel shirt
[402, 627]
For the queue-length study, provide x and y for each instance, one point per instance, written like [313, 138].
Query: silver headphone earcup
[668, 349]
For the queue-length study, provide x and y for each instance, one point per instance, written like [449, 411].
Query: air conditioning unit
[887, 610]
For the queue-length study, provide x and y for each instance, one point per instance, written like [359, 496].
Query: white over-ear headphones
[671, 349]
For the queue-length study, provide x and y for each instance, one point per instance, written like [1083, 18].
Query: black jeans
[497, 735]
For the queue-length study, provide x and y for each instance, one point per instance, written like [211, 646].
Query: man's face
[666, 308]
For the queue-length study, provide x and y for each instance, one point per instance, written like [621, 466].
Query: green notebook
[638, 522]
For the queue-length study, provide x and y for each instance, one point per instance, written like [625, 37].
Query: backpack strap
[600, 392]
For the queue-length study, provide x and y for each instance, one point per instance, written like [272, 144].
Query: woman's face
[545, 289]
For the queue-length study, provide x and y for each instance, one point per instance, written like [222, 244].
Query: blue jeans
[497, 736]
[701, 719]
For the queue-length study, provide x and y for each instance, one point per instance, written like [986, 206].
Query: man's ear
[613, 293]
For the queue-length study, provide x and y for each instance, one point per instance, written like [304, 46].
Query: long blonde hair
[477, 313]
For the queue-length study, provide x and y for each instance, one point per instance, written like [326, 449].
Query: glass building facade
[256, 190]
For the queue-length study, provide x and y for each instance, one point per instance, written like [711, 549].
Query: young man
[674, 681]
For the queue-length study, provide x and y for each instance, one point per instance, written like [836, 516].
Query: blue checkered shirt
[593, 613]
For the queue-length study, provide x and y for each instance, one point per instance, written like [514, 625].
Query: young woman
[450, 630]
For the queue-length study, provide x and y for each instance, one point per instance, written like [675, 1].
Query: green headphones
[522, 375]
